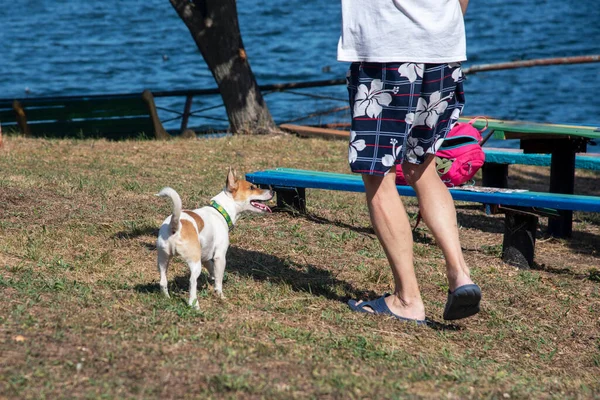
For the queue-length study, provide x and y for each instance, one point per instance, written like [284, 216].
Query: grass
[82, 315]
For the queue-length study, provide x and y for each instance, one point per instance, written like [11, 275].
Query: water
[69, 47]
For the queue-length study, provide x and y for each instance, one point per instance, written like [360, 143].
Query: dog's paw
[220, 295]
[194, 304]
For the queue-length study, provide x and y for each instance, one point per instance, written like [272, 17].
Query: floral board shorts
[400, 112]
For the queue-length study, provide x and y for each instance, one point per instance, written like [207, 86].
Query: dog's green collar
[224, 213]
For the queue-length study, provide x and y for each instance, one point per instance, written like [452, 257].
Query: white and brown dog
[201, 236]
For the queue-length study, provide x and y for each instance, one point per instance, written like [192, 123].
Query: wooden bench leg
[562, 180]
[159, 131]
[519, 238]
[21, 118]
[291, 197]
[495, 175]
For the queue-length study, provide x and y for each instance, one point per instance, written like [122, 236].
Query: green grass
[82, 315]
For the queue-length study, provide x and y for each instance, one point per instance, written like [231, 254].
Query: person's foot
[414, 310]
[458, 279]
[462, 302]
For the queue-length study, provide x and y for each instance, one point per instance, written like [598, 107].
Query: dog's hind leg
[210, 267]
[195, 270]
[219, 272]
[190, 250]
[163, 265]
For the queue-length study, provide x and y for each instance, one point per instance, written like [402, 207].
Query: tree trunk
[215, 29]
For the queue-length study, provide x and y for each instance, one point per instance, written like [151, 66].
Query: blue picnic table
[561, 142]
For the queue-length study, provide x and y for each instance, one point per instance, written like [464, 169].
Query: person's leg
[437, 208]
[379, 98]
[391, 224]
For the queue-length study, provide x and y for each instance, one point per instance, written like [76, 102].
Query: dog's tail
[172, 194]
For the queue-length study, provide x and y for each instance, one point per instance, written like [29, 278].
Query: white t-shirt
[420, 31]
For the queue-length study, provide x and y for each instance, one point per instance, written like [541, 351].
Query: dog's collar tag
[224, 213]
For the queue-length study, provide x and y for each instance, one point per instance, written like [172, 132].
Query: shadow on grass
[556, 271]
[584, 243]
[481, 222]
[178, 285]
[136, 232]
[365, 230]
[418, 235]
[305, 278]
[440, 326]
[591, 275]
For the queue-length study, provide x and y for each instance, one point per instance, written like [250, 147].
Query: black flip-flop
[463, 302]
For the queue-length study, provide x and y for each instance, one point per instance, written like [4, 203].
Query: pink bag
[459, 157]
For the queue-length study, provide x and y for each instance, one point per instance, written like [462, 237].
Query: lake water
[66, 47]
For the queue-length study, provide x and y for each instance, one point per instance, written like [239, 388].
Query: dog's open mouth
[261, 206]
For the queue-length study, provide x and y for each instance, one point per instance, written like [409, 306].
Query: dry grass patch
[82, 315]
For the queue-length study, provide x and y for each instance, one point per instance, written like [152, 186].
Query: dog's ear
[231, 183]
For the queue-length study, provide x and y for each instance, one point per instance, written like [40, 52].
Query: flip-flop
[379, 307]
[463, 302]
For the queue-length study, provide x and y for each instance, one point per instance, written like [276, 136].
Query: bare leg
[391, 224]
[437, 208]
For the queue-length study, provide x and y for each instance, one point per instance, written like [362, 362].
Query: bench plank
[503, 128]
[501, 156]
[293, 178]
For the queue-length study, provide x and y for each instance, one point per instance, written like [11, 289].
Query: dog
[201, 236]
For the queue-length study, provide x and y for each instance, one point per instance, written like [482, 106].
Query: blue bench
[521, 208]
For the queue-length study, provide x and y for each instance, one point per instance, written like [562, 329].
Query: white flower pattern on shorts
[428, 114]
[413, 149]
[370, 102]
[457, 73]
[411, 71]
[389, 159]
[354, 147]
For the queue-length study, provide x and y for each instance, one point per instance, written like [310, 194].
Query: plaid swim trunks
[400, 112]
